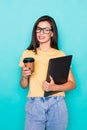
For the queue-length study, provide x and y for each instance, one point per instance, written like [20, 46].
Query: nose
[42, 31]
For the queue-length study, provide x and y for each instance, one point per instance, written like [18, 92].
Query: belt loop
[42, 99]
[55, 97]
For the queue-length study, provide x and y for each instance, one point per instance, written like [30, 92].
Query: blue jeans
[46, 113]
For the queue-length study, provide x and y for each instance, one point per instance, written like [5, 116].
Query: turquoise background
[17, 18]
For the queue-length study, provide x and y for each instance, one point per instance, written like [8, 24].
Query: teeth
[41, 37]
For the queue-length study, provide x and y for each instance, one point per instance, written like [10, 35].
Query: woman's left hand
[49, 86]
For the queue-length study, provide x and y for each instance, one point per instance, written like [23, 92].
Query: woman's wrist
[23, 77]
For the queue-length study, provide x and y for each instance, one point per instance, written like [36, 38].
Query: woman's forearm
[24, 82]
[65, 87]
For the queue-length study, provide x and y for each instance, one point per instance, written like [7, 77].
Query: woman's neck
[44, 47]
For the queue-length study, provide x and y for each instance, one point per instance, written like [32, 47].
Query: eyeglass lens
[45, 30]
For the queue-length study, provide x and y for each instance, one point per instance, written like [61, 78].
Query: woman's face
[44, 32]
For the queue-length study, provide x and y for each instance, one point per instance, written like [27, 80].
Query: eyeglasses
[45, 30]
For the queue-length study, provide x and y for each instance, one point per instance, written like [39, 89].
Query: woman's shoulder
[61, 52]
[28, 52]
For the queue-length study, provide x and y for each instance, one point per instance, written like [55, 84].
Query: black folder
[58, 68]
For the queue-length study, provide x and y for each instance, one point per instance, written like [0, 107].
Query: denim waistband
[46, 98]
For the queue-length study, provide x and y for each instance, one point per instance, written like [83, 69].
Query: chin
[41, 42]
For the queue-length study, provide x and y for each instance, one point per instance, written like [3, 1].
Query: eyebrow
[44, 27]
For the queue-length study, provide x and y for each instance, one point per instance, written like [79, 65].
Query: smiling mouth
[41, 37]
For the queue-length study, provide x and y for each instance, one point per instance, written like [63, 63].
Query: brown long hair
[54, 40]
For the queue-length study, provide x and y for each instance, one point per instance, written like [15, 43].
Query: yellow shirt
[40, 70]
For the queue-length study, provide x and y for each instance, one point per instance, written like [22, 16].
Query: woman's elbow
[73, 84]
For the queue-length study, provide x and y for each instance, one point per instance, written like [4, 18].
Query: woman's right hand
[26, 72]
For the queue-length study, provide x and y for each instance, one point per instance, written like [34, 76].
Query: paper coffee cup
[29, 62]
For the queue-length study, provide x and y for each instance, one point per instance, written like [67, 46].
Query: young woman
[50, 112]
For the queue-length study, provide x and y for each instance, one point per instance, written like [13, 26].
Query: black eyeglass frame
[39, 29]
